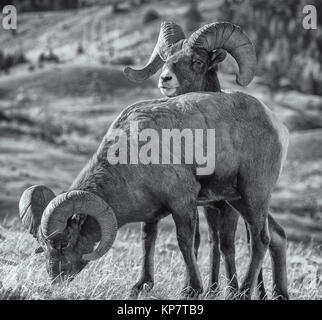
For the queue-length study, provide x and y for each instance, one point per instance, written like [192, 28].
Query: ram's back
[237, 117]
[248, 135]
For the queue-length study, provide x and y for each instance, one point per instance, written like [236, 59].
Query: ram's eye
[64, 245]
[197, 63]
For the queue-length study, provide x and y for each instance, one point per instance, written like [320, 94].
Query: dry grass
[24, 275]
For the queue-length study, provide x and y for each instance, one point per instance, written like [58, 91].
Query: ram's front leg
[185, 218]
[146, 281]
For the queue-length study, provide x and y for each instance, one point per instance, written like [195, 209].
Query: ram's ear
[79, 218]
[32, 204]
[216, 57]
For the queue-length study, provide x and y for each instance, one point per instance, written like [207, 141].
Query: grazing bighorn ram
[106, 196]
[190, 65]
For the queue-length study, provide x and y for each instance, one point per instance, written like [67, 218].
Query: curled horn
[170, 33]
[227, 36]
[32, 204]
[64, 206]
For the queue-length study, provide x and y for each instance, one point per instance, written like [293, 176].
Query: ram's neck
[92, 178]
[211, 81]
[106, 181]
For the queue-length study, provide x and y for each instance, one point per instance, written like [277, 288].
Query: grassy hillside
[23, 275]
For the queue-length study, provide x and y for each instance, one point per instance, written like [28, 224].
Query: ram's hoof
[140, 287]
[243, 295]
[212, 291]
[279, 295]
[190, 293]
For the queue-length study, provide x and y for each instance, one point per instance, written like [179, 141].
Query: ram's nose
[166, 76]
[168, 83]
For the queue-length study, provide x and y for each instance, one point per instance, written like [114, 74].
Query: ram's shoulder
[142, 106]
[135, 110]
[245, 104]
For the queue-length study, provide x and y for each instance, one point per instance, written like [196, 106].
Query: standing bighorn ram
[190, 65]
[106, 196]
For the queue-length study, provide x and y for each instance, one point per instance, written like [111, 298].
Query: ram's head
[191, 64]
[67, 228]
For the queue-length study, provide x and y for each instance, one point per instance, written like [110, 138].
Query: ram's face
[63, 265]
[67, 228]
[186, 63]
[184, 71]
[64, 257]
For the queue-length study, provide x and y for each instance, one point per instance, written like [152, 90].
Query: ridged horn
[170, 33]
[230, 37]
[32, 204]
[64, 206]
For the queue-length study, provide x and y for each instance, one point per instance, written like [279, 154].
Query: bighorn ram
[190, 65]
[106, 196]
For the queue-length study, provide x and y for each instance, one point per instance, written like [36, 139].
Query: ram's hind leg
[149, 235]
[227, 231]
[222, 221]
[260, 281]
[255, 212]
[261, 286]
[197, 236]
[196, 246]
[277, 250]
[212, 216]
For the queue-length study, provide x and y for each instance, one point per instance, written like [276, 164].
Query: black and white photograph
[161, 150]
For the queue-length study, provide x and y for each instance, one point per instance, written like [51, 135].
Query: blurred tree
[318, 5]
[193, 17]
[5, 3]
[285, 49]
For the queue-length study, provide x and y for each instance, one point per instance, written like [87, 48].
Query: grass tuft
[112, 276]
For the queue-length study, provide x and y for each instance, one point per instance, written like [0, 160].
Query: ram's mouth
[168, 91]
